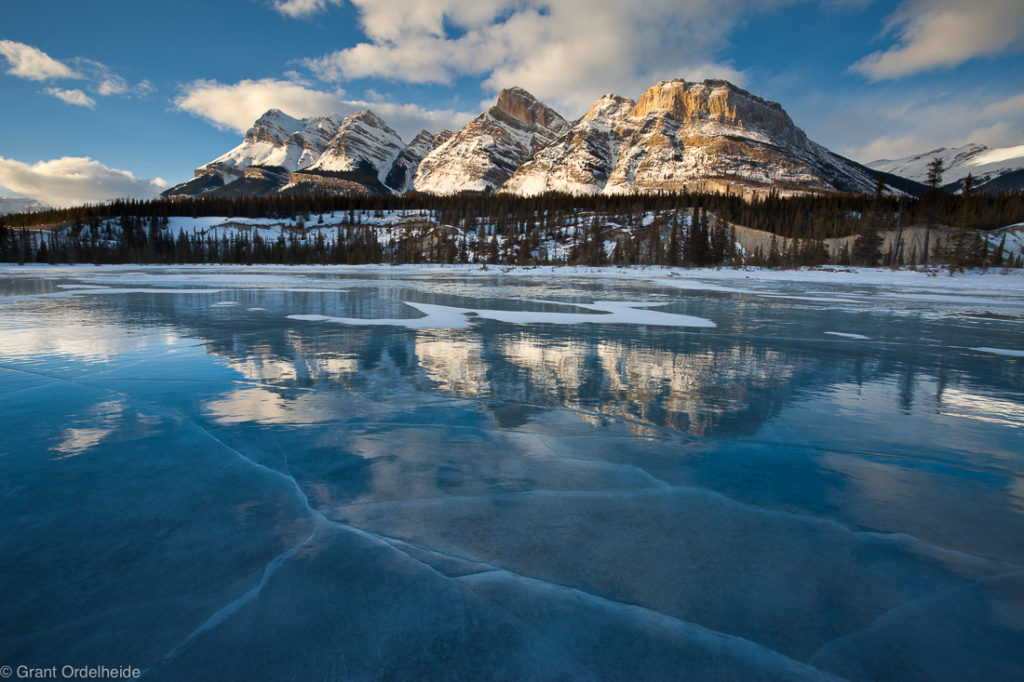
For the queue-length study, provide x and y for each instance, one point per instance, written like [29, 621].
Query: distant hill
[993, 170]
[20, 205]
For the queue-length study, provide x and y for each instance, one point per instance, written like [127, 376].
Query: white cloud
[945, 33]
[76, 97]
[999, 134]
[236, 106]
[111, 86]
[105, 82]
[30, 62]
[1011, 106]
[916, 121]
[74, 180]
[300, 9]
[566, 52]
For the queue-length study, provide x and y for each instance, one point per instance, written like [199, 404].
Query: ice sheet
[466, 480]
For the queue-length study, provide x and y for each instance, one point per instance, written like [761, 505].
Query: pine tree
[933, 198]
[673, 255]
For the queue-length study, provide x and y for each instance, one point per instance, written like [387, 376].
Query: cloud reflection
[105, 418]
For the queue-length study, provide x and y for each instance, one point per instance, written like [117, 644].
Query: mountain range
[679, 135]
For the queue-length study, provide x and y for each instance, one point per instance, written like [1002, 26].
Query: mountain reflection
[693, 383]
[725, 382]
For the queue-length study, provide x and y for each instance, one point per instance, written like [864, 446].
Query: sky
[107, 99]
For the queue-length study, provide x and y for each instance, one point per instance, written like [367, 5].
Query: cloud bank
[74, 180]
[32, 63]
[944, 34]
[236, 106]
[567, 52]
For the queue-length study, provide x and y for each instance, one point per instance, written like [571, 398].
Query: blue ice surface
[221, 473]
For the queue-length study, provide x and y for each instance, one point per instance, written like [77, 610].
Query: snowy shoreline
[1005, 279]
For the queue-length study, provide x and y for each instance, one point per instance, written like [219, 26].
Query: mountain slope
[362, 140]
[489, 149]
[997, 169]
[403, 170]
[580, 161]
[276, 139]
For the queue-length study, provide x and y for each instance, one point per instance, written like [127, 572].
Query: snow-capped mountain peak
[363, 141]
[276, 139]
[485, 153]
[274, 126]
[609, 107]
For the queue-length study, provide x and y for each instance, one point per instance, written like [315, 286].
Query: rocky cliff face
[403, 170]
[709, 136]
[362, 139]
[489, 149]
[581, 161]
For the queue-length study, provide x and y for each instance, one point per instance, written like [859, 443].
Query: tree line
[691, 229]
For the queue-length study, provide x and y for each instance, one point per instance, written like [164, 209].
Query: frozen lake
[363, 473]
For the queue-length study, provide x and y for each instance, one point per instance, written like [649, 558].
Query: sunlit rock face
[362, 139]
[488, 150]
[580, 161]
[709, 136]
[276, 139]
[689, 132]
[524, 107]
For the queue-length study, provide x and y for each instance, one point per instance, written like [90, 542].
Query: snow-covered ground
[1009, 280]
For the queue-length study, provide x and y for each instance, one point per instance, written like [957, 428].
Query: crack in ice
[932, 596]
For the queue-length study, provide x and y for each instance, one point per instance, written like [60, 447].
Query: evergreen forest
[661, 229]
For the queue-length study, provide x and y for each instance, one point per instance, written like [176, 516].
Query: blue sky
[105, 99]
